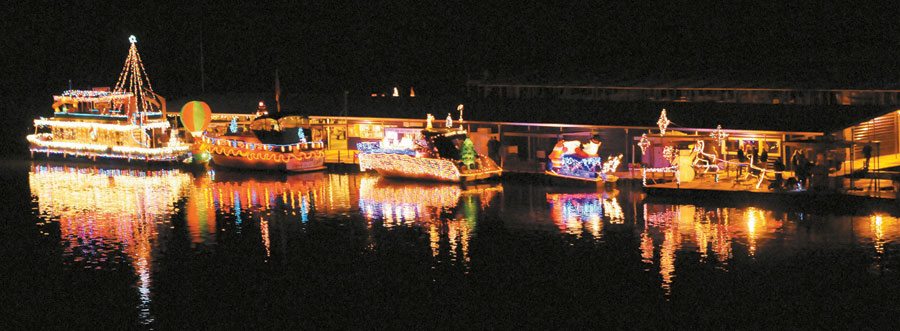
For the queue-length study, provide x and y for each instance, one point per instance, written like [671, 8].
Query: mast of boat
[134, 79]
[277, 93]
[202, 72]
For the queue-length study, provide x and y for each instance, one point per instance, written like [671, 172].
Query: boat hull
[294, 165]
[42, 148]
[429, 169]
[598, 179]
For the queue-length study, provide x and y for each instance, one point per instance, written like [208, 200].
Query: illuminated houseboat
[581, 161]
[273, 142]
[439, 154]
[127, 123]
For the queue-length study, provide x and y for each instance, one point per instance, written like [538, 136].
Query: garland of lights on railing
[105, 126]
[90, 96]
[267, 152]
[168, 153]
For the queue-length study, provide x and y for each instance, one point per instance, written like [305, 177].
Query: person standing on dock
[778, 166]
[741, 158]
[802, 171]
[795, 160]
[867, 153]
[819, 172]
[493, 146]
[754, 152]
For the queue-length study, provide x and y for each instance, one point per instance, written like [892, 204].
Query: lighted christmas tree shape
[301, 135]
[134, 79]
[468, 153]
[233, 127]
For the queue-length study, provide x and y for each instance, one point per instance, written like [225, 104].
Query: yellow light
[74, 147]
[104, 126]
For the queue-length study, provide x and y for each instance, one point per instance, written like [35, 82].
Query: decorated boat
[438, 154]
[581, 161]
[128, 122]
[272, 142]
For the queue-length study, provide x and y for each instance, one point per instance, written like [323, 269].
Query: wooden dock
[745, 193]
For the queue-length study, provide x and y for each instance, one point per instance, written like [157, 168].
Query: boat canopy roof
[280, 128]
[279, 121]
[444, 133]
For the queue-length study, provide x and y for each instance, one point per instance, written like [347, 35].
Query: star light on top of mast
[134, 79]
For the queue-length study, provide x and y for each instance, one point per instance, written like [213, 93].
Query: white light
[36, 139]
[663, 123]
[104, 126]
[132, 39]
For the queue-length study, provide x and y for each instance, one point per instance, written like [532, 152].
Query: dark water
[87, 247]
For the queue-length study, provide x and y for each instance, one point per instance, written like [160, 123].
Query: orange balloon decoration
[195, 116]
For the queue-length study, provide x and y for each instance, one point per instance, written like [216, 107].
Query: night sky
[326, 47]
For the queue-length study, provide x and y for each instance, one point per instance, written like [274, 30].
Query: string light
[104, 126]
[460, 109]
[706, 165]
[269, 152]
[670, 154]
[407, 158]
[663, 123]
[672, 169]
[719, 135]
[41, 144]
[233, 126]
[644, 143]
[126, 137]
[440, 169]
[134, 78]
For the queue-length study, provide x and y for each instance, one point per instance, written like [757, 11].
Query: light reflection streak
[101, 211]
[878, 233]
[579, 213]
[430, 205]
[708, 232]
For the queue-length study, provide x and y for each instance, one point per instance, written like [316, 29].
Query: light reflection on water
[430, 205]
[105, 213]
[578, 213]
